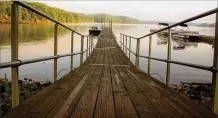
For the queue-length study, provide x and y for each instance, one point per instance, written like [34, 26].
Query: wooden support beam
[168, 57]
[55, 51]
[14, 54]
[71, 65]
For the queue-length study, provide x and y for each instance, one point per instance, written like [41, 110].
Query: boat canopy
[164, 24]
[183, 25]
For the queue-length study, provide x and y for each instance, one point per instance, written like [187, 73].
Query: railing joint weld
[20, 62]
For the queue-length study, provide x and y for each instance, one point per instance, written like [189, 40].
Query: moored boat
[162, 25]
[186, 35]
[94, 30]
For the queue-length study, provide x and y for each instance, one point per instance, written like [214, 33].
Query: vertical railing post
[215, 74]
[90, 45]
[126, 45]
[168, 57]
[87, 47]
[14, 54]
[121, 40]
[71, 65]
[129, 46]
[137, 53]
[55, 51]
[81, 50]
[149, 55]
[111, 24]
[123, 43]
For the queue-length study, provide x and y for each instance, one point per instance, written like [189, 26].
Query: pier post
[14, 54]
[71, 65]
[129, 46]
[55, 51]
[81, 50]
[215, 74]
[120, 40]
[87, 47]
[90, 45]
[168, 57]
[137, 53]
[123, 43]
[149, 55]
[126, 45]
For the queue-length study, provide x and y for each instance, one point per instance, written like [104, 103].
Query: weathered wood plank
[86, 104]
[105, 103]
[123, 105]
[143, 106]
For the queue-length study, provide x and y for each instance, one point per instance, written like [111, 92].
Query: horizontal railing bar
[22, 62]
[129, 36]
[184, 21]
[208, 68]
[42, 14]
[128, 48]
[88, 47]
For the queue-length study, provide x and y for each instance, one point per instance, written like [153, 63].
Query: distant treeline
[26, 16]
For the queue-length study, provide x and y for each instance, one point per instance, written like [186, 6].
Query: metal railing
[213, 68]
[15, 62]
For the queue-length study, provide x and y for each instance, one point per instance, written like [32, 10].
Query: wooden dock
[108, 85]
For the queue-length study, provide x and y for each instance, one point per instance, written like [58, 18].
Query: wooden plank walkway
[108, 85]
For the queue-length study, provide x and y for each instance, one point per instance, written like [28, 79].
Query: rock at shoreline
[201, 92]
[27, 88]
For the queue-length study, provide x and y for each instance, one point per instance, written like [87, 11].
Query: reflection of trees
[177, 44]
[29, 33]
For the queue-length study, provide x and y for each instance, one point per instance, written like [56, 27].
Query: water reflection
[177, 44]
[36, 40]
[162, 40]
[28, 33]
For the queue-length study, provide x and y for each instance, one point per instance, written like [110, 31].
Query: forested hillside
[61, 15]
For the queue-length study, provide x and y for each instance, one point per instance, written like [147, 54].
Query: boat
[186, 35]
[162, 25]
[162, 40]
[94, 30]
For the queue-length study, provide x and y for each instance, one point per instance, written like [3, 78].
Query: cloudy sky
[142, 10]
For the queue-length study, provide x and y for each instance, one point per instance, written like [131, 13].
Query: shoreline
[27, 88]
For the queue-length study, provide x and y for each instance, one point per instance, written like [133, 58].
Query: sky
[142, 10]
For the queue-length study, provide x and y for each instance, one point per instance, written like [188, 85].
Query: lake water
[36, 40]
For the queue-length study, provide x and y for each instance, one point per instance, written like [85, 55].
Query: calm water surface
[37, 41]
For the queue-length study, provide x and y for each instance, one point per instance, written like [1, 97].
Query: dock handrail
[15, 62]
[213, 68]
